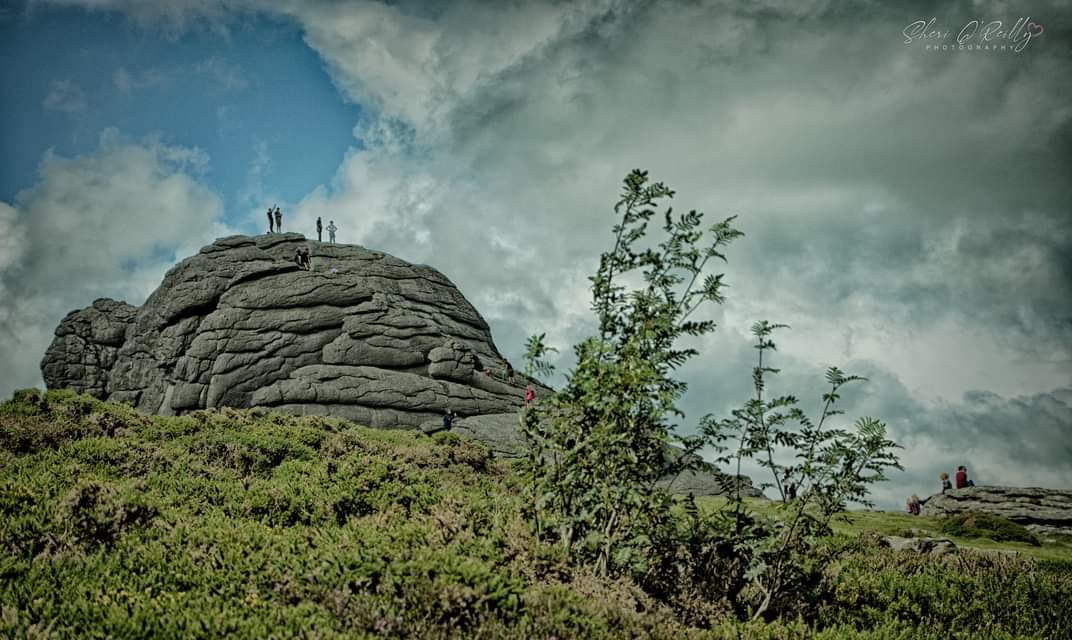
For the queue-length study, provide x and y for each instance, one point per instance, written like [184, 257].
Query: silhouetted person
[278, 220]
[298, 257]
[331, 231]
[271, 221]
[319, 230]
[509, 372]
[305, 258]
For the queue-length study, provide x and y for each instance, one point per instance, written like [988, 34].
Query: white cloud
[127, 82]
[223, 74]
[105, 224]
[65, 96]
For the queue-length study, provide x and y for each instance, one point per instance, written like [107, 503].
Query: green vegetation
[985, 525]
[257, 526]
[599, 447]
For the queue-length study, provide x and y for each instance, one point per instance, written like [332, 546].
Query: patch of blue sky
[258, 101]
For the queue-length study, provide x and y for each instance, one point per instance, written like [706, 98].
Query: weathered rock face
[1040, 510]
[86, 346]
[362, 335]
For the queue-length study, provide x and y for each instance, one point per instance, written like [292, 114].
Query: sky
[905, 200]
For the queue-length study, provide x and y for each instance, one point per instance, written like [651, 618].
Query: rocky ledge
[1040, 510]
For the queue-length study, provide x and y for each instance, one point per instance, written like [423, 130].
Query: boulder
[930, 546]
[87, 345]
[1040, 510]
[361, 335]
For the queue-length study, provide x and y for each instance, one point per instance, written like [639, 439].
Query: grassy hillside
[114, 524]
[855, 523]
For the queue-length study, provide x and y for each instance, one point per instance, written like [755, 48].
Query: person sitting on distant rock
[331, 231]
[306, 259]
[319, 230]
[278, 220]
[509, 372]
[946, 484]
[962, 478]
[271, 221]
[298, 258]
[913, 505]
[448, 419]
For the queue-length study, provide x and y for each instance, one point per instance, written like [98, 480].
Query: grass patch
[985, 525]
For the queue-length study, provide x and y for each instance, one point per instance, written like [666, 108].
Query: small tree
[834, 466]
[598, 447]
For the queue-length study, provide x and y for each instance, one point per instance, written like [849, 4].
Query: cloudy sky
[906, 201]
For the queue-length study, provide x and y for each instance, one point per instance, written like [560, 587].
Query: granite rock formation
[361, 335]
[1040, 510]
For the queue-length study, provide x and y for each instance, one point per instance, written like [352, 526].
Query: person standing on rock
[331, 231]
[278, 220]
[319, 230]
[271, 221]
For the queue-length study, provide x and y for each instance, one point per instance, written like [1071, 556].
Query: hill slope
[252, 525]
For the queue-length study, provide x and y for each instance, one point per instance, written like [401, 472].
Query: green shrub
[93, 513]
[985, 525]
[149, 533]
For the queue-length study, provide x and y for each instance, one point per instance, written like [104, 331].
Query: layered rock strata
[1040, 510]
[361, 335]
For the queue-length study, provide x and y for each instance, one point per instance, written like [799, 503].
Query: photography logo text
[974, 35]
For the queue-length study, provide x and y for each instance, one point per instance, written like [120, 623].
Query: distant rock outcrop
[362, 335]
[1040, 510]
